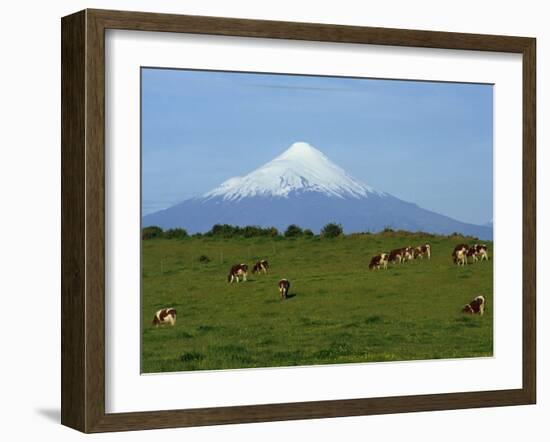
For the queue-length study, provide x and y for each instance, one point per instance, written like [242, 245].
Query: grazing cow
[421, 251]
[425, 250]
[236, 272]
[477, 306]
[472, 253]
[284, 285]
[459, 257]
[481, 251]
[379, 261]
[459, 254]
[396, 256]
[165, 316]
[261, 266]
[460, 247]
[407, 253]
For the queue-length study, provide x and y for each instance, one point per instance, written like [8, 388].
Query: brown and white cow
[261, 266]
[407, 253]
[481, 251]
[472, 253]
[236, 272]
[284, 286]
[424, 250]
[379, 261]
[477, 306]
[459, 257]
[460, 247]
[396, 256]
[165, 316]
[459, 254]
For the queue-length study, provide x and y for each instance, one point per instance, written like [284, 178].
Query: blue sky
[430, 143]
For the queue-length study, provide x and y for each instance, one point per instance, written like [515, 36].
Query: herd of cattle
[477, 252]
[399, 256]
[460, 256]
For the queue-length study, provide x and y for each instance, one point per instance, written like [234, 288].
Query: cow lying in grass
[165, 316]
[236, 272]
[284, 286]
[379, 261]
[476, 307]
[261, 266]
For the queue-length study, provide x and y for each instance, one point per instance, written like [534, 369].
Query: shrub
[177, 233]
[254, 231]
[151, 232]
[250, 231]
[456, 234]
[229, 231]
[223, 230]
[387, 229]
[332, 230]
[308, 232]
[292, 231]
[272, 231]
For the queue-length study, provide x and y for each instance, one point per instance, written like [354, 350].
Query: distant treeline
[330, 230]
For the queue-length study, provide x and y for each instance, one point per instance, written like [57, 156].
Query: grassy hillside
[338, 311]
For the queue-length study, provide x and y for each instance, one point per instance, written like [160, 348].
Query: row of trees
[330, 230]
[153, 232]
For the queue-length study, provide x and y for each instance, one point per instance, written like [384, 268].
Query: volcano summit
[302, 186]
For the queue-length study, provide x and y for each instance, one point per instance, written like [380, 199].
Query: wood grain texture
[73, 128]
[144, 21]
[308, 410]
[83, 219]
[529, 220]
[95, 221]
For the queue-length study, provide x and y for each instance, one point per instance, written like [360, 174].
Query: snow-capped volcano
[302, 186]
[301, 168]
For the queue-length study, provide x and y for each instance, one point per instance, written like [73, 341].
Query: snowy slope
[302, 186]
[301, 168]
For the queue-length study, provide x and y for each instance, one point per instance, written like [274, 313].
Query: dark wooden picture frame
[83, 220]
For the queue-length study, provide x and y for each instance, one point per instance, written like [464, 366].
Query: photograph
[300, 220]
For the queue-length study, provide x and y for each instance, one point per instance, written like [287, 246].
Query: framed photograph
[268, 220]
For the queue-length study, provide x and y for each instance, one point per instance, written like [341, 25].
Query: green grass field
[338, 311]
